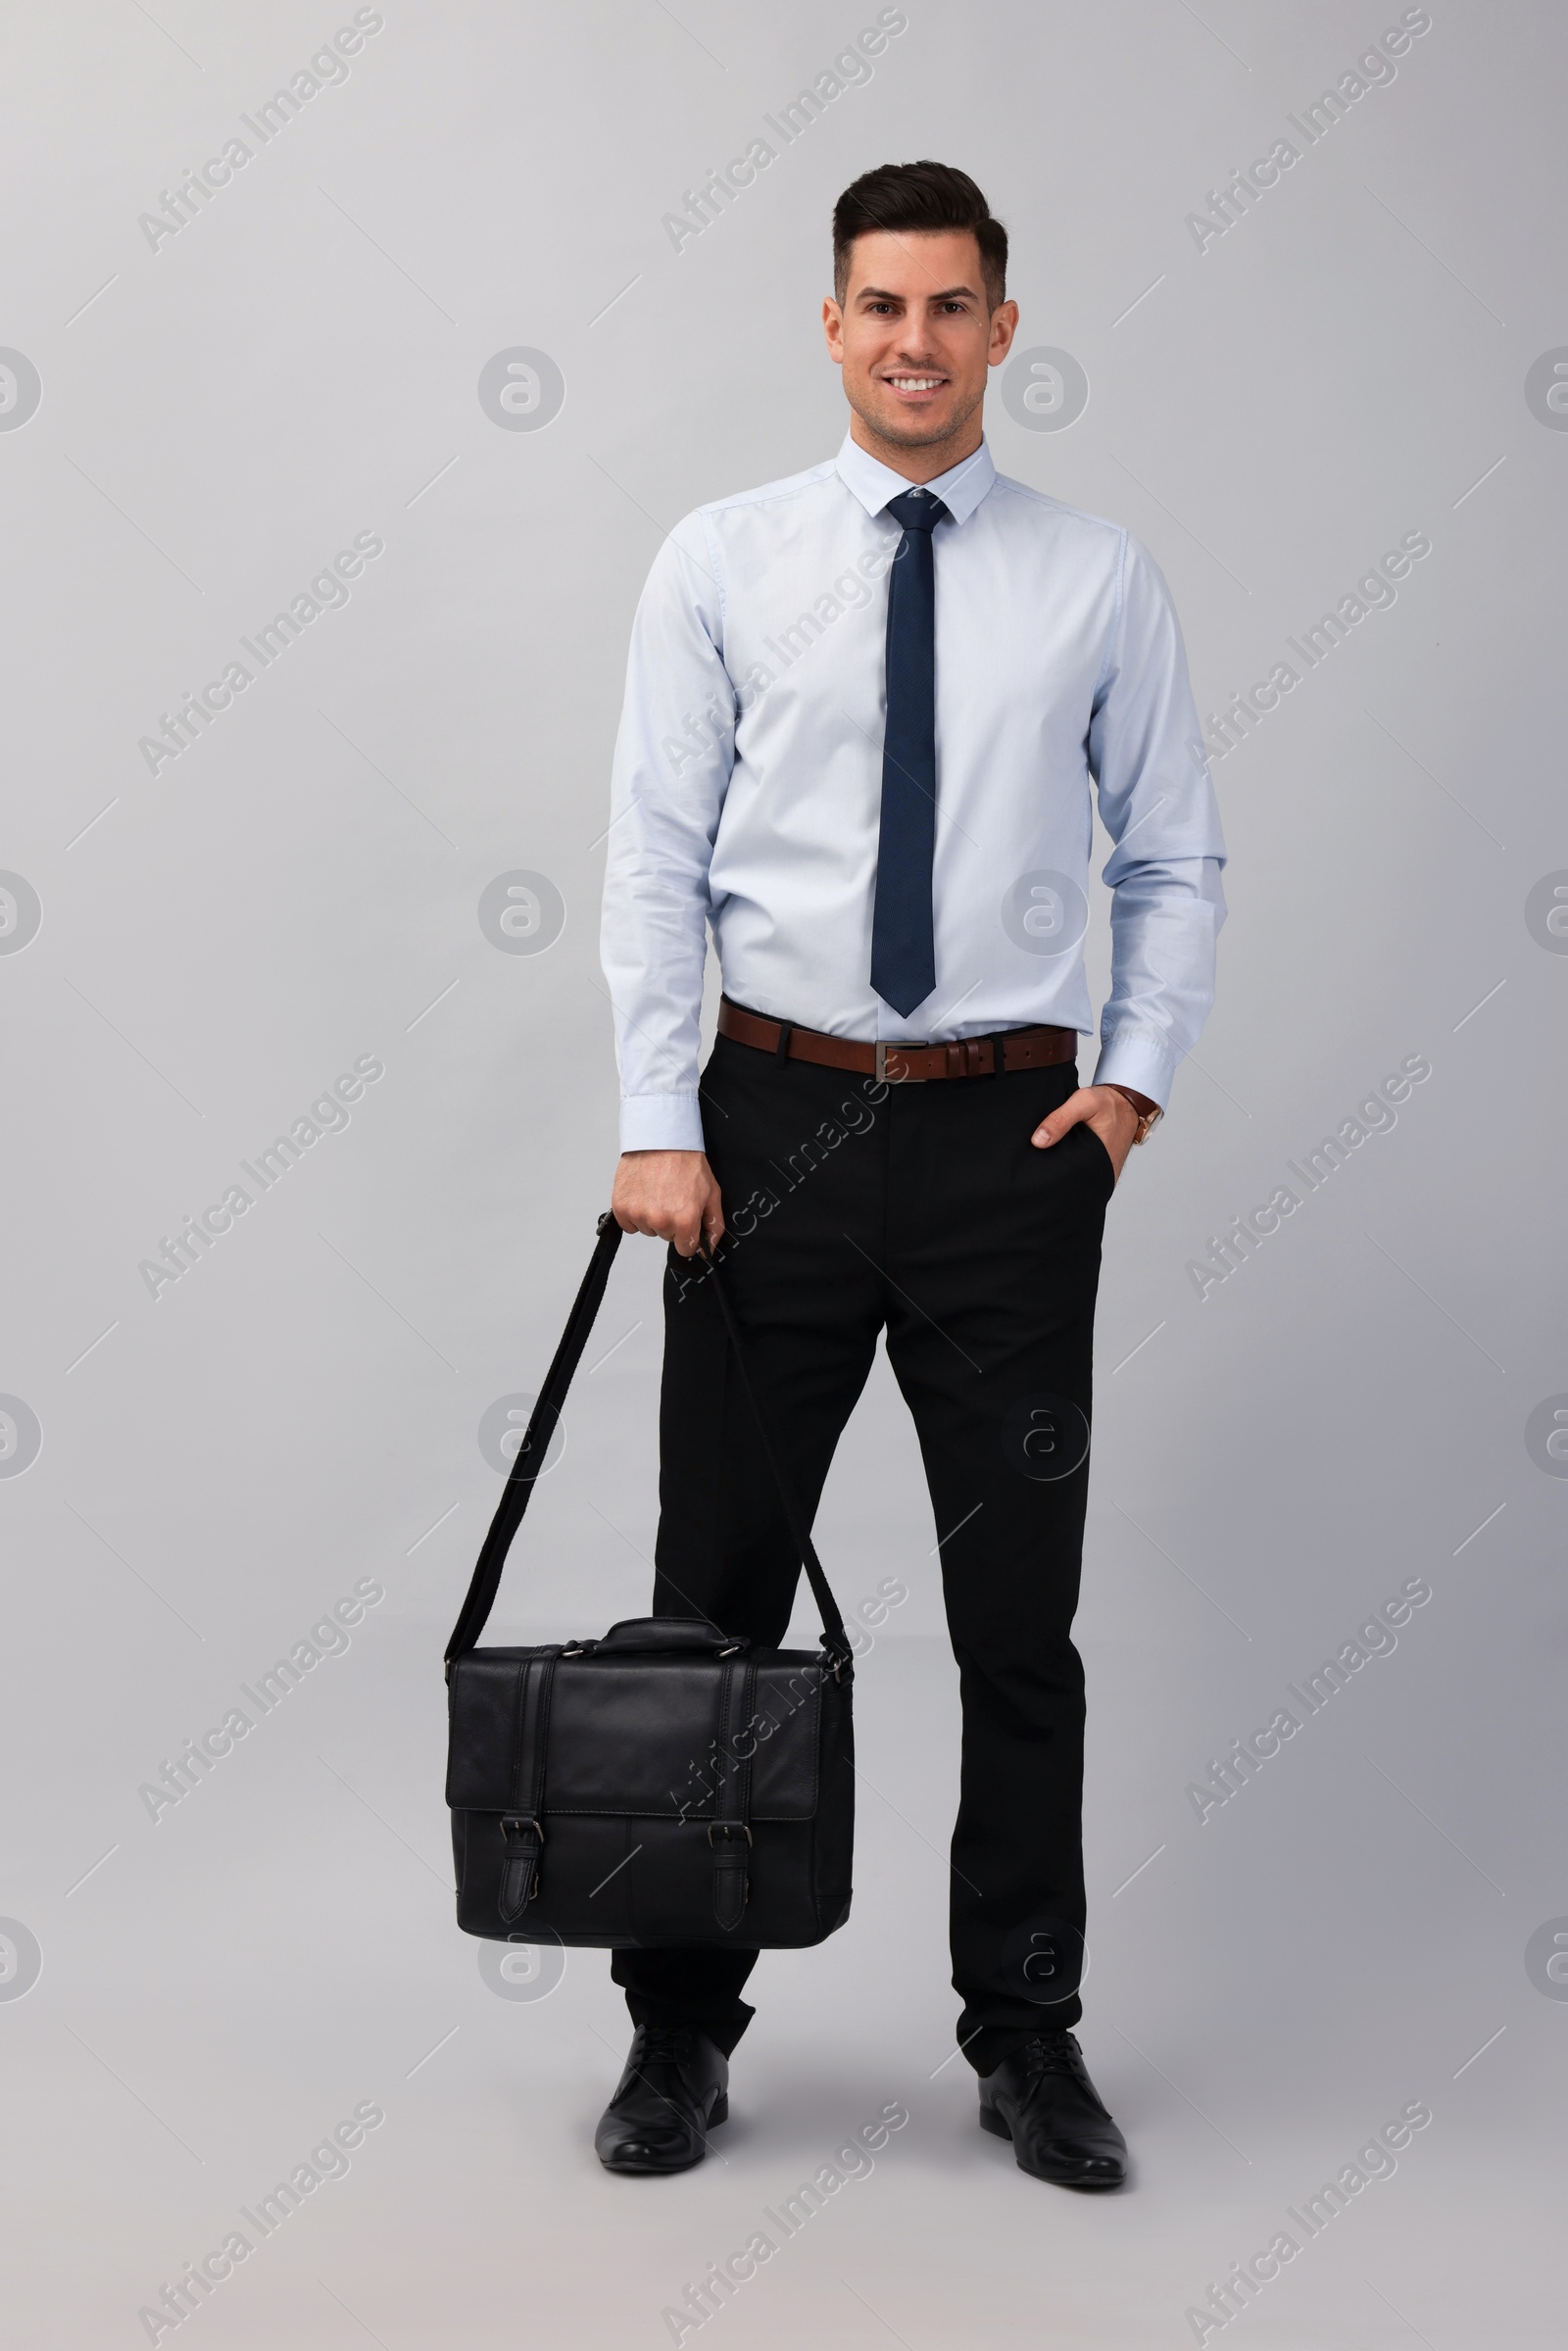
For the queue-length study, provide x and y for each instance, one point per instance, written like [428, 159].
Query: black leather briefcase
[666, 1783]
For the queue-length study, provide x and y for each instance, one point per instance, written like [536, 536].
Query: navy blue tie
[904, 969]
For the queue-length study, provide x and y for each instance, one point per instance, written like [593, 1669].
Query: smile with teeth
[915, 383]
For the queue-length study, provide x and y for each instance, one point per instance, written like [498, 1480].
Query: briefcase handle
[531, 1453]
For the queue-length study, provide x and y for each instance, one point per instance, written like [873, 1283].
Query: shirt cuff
[660, 1123]
[1138, 1062]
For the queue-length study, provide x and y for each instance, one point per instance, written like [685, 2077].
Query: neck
[923, 464]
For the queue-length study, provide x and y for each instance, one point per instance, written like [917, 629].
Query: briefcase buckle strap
[519, 1871]
[729, 1835]
[730, 1841]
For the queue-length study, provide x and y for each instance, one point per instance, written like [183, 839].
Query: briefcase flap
[636, 1734]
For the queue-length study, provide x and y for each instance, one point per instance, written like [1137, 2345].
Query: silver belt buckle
[884, 1076]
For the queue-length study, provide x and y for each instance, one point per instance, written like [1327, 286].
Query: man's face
[915, 334]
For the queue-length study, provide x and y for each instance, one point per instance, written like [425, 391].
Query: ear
[1003, 327]
[833, 331]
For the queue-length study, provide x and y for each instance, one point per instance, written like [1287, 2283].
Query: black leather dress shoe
[1042, 2099]
[675, 2087]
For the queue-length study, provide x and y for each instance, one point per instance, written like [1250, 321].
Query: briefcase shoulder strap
[542, 1422]
[834, 1638]
[531, 1455]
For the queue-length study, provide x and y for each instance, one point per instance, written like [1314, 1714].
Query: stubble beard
[913, 434]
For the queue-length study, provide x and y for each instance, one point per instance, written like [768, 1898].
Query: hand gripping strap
[518, 1488]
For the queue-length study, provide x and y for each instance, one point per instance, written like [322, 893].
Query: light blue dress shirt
[747, 787]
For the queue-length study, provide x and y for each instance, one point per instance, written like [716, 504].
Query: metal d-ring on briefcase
[666, 1783]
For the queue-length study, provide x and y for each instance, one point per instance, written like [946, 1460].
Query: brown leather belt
[969, 1057]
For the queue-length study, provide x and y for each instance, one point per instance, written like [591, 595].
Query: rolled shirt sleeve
[1146, 753]
[673, 756]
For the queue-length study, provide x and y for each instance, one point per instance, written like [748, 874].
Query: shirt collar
[961, 490]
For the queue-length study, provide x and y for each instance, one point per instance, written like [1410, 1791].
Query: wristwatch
[1150, 1113]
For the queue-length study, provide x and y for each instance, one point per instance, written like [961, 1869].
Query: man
[865, 710]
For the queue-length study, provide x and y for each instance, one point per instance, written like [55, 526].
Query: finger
[1055, 1124]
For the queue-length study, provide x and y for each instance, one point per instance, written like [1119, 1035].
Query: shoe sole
[997, 2125]
[654, 2169]
[720, 2114]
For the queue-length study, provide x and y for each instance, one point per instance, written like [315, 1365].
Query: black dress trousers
[853, 1207]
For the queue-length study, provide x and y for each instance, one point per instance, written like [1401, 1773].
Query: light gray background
[300, 1410]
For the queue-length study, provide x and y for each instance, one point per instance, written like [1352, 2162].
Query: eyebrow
[882, 294]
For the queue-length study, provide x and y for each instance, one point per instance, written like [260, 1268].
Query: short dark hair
[923, 196]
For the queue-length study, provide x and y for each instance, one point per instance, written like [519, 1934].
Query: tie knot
[916, 510]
